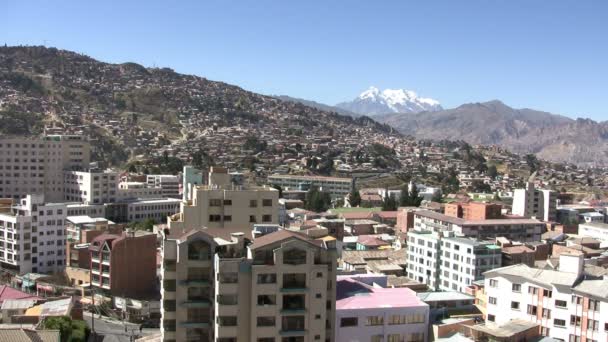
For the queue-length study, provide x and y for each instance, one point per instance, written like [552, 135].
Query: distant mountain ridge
[317, 105]
[549, 136]
[373, 101]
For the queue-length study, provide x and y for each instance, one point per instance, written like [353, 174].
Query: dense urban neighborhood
[139, 204]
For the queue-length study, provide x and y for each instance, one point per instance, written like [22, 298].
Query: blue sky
[548, 55]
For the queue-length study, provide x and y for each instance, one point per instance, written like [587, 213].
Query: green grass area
[354, 210]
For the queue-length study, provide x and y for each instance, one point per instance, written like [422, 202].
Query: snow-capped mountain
[373, 101]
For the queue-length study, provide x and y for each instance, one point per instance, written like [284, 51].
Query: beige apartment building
[280, 288]
[36, 166]
[222, 204]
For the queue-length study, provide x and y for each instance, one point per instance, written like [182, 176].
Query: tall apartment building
[124, 265]
[36, 166]
[336, 187]
[32, 236]
[221, 204]
[280, 288]
[169, 184]
[94, 186]
[448, 262]
[523, 230]
[567, 304]
[532, 202]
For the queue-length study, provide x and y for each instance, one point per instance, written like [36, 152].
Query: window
[546, 313]
[491, 318]
[532, 290]
[559, 322]
[574, 338]
[215, 218]
[267, 278]
[349, 322]
[227, 321]
[227, 218]
[415, 318]
[532, 309]
[253, 203]
[377, 338]
[493, 283]
[547, 293]
[266, 218]
[492, 300]
[227, 299]
[227, 202]
[394, 338]
[593, 325]
[266, 339]
[264, 300]
[544, 331]
[169, 305]
[575, 320]
[267, 202]
[397, 319]
[252, 219]
[215, 202]
[576, 299]
[266, 321]
[228, 277]
[594, 305]
[375, 320]
[168, 284]
[516, 287]
[515, 305]
[561, 304]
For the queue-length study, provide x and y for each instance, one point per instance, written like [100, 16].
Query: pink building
[367, 312]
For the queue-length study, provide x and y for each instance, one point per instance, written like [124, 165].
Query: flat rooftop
[353, 295]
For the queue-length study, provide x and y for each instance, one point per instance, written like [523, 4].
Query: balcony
[194, 325]
[195, 282]
[197, 303]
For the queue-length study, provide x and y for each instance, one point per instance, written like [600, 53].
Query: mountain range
[549, 136]
[373, 101]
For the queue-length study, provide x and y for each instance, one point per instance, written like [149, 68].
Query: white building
[520, 229]
[336, 187]
[32, 236]
[532, 202]
[368, 312]
[568, 305]
[596, 230]
[94, 186]
[447, 262]
[127, 190]
[169, 184]
[36, 166]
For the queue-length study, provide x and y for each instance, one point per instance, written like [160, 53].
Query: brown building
[474, 210]
[124, 265]
[514, 255]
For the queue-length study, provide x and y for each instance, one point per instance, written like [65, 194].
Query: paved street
[114, 331]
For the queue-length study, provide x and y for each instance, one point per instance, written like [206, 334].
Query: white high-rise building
[32, 236]
[94, 186]
[532, 202]
[567, 304]
[36, 166]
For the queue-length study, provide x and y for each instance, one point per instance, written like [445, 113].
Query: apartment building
[366, 311]
[336, 187]
[36, 166]
[474, 210]
[138, 210]
[519, 229]
[532, 202]
[32, 236]
[130, 190]
[124, 265]
[169, 184]
[280, 288]
[567, 304]
[221, 204]
[448, 262]
[93, 186]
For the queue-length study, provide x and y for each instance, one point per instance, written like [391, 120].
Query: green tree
[492, 171]
[317, 201]
[410, 198]
[132, 168]
[389, 203]
[354, 198]
[69, 330]
[437, 197]
[278, 187]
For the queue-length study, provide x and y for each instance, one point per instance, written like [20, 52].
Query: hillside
[549, 136]
[128, 110]
[317, 105]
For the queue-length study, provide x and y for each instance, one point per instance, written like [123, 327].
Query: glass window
[349, 322]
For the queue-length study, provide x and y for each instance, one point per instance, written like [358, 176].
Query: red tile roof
[7, 292]
[279, 236]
